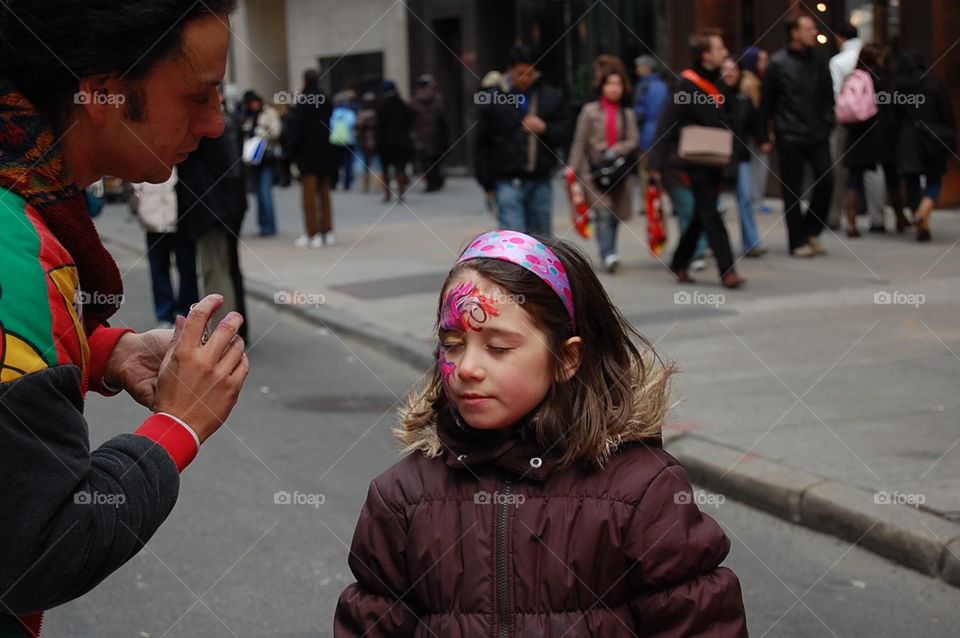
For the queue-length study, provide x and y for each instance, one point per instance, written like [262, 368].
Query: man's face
[181, 105]
[643, 70]
[523, 76]
[806, 32]
[714, 56]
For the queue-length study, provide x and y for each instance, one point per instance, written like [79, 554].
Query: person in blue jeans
[261, 120]
[520, 124]
[745, 122]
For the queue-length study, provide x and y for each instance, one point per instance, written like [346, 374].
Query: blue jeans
[748, 225]
[682, 198]
[160, 246]
[263, 188]
[607, 224]
[525, 205]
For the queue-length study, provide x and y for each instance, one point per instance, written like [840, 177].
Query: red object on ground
[656, 228]
[582, 216]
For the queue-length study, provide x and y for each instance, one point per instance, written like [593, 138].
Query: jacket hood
[419, 432]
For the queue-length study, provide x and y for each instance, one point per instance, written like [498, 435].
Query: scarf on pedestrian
[33, 167]
[612, 110]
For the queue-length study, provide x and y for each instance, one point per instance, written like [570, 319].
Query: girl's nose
[470, 367]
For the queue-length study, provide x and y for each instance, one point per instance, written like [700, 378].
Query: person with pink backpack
[862, 107]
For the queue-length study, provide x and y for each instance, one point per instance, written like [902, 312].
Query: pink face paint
[464, 308]
[447, 368]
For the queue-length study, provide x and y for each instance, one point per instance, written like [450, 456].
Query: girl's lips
[474, 399]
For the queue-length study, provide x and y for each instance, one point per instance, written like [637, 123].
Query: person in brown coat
[607, 133]
[535, 498]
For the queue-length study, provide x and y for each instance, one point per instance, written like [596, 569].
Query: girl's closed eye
[499, 349]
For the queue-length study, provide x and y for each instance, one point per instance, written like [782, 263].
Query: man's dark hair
[847, 31]
[792, 22]
[700, 41]
[523, 54]
[46, 46]
[311, 79]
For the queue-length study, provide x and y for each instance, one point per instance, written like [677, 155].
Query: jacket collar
[33, 167]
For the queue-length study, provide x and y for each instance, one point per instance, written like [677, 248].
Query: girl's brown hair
[619, 392]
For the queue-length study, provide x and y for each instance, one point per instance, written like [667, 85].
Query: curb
[906, 535]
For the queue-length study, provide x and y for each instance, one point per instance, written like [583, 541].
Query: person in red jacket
[89, 88]
[536, 499]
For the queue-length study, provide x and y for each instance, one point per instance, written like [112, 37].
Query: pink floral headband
[523, 250]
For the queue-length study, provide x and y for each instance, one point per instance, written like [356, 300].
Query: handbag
[254, 150]
[705, 145]
[607, 173]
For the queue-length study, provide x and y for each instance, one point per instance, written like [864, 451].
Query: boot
[850, 201]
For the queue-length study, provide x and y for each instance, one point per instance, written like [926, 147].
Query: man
[127, 89]
[519, 127]
[697, 100]
[262, 121]
[798, 98]
[841, 66]
[309, 144]
[429, 132]
[649, 98]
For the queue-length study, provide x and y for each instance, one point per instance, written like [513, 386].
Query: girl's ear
[572, 355]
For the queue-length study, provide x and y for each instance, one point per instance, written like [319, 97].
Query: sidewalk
[804, 394]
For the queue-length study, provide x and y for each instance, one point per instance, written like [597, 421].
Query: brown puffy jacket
[475, 535]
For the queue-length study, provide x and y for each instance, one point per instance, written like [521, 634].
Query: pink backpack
[858, 100]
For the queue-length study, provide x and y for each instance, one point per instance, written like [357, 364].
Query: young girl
[536, 499]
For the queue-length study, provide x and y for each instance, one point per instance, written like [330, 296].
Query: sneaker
[802, 251]
[732, 280]
[683, 276]
[611, 263]
[316, 241]
[329, 239]
[698, 264]
[816, 245]
[756, 251]
[878, 228]
[765, 209]
[301, 242]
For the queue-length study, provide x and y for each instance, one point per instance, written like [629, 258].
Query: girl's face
[613, 88]
[494, 362]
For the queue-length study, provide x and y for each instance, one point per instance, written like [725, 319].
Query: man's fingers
[232, 357]
[225, 332]
[199, 317]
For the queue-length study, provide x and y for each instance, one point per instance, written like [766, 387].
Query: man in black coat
[308, 138]
[798, 98]
[212, 202]
[519, 127]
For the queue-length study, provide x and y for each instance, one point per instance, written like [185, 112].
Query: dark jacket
[430, 124]
[688, 105]
[394, 129]
[470, 536]
[868, 142]
[210, 188]
[745, 123]
[504, 149]
[917, 119]
[798, 97]
[308, 134]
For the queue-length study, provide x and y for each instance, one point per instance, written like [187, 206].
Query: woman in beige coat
[606, 130]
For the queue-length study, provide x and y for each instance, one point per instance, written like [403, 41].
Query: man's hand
[766, 148]
[135, 362]
[200, 380]
[656, 176]
[534, 124]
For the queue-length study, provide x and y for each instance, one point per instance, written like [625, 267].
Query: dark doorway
[448, 49]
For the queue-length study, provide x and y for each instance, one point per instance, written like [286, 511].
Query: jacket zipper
[503, 586]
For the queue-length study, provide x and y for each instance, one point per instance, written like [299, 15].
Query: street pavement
[314, 421]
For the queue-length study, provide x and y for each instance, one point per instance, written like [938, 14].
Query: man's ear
[99, 95]
[571, 357]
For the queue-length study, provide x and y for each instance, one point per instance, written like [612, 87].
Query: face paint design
[464, 308]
